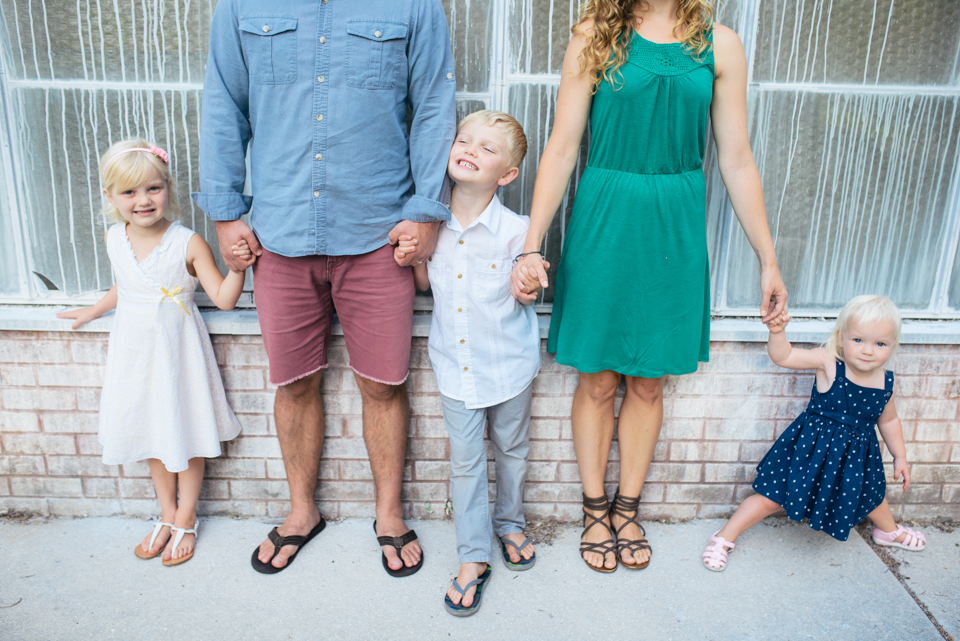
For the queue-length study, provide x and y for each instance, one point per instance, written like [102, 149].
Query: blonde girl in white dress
[163, 398]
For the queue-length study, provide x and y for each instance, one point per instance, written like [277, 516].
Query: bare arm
[738, 167]
[892, 432]
[87, 314]
[224, 292]
[420, 277]
[560, 155]
[783, 354]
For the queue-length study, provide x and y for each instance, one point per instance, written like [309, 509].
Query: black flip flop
[398, 542]
[280, 541]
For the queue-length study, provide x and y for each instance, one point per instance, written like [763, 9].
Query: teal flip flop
[524, 564]
[458, 610]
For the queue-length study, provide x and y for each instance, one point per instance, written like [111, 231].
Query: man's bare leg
[299, 414]
[386, 420]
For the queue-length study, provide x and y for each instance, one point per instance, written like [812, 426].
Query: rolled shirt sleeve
[225, 122]
[431, 94]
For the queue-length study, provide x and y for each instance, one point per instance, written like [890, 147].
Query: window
[854, 121]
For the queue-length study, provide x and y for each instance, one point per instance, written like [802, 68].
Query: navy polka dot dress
[826, 466]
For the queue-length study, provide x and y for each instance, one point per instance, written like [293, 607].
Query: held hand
[230, 233]
[778, 324]
[422, 235]
[900, 467]
[527, 277]
[82, 315]
[773, 294]
[407, 245]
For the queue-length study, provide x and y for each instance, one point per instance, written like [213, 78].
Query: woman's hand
[773, 294]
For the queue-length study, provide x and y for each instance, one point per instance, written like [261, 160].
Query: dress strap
[841, 369]
[888, 381]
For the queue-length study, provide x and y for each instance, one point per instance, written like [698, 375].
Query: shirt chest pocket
[376, 52]
[269, 45]
[490, 279]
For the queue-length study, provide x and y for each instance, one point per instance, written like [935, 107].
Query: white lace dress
[162, 392]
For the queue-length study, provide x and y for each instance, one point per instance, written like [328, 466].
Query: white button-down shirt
[484, 345]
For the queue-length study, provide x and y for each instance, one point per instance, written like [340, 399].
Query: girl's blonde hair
[613, 28]
[863, 310]
[121, 171]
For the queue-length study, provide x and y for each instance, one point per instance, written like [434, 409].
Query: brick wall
[718, 424]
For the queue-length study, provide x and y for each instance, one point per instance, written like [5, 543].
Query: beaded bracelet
[517, 259]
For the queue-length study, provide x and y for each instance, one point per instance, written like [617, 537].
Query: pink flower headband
[156, 151]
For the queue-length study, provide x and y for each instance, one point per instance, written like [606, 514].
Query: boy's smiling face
[480, 157]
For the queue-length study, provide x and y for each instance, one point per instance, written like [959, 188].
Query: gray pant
[510, 434]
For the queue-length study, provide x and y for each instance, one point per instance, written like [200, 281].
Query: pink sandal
[715, 556]
[913, 541]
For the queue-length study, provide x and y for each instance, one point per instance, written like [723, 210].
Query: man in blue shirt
[320, 91]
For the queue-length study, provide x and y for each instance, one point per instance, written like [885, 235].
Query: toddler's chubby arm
[892, 432]
[786, 355]
[224, 292]
[408, 245]
[525, 284]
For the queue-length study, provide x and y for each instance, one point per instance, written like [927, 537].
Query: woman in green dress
[633, 288]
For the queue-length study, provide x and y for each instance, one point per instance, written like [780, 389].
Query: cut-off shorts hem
[297, 378]
[377, 380]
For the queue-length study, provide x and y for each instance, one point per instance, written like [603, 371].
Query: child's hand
[405, 245]
[82, 315]
[778, 324]
[524, 287]
[900, 467]
[243, 253]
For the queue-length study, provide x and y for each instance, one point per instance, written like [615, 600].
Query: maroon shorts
[373, 297]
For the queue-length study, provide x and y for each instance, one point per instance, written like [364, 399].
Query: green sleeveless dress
[633, 285]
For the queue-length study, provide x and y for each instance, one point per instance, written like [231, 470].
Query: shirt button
[459, 275]
[462, 341]
[449, 76]
[493, 266]
[319, 156]
[323, 40]
[459, 309]
[266, 29]
[430, 259]
[377, 34]
[464, 369]
[320, 78]
[316, 194]
[319, 117]
[461, 242]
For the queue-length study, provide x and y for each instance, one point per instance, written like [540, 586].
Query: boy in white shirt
[484, 347]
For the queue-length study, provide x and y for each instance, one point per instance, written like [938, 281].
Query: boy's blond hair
[863, 310]
[126, 171]
[508, 126]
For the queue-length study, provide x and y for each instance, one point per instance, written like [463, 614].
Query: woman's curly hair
[613, 23]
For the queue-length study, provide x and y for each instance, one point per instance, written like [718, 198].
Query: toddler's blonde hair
[128, 170]
[863, 310]
[508, 126]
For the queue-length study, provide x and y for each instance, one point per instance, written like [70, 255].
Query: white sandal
[147, 554]
[176, 542]
[715, 556]
[913, 541]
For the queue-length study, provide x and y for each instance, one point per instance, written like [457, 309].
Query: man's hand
[229, 235]
[421, 237]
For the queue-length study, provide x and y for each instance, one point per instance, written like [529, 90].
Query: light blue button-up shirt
[320, 91]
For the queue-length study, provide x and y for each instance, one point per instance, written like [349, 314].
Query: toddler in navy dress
[826, 467]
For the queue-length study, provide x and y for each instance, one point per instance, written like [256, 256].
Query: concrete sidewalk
[78, 579]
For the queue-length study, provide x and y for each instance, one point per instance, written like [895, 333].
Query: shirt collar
[489, 217]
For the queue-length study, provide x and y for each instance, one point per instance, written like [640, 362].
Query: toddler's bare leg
[190, 481]
[882, 518]
[753, 510]
[165, 485]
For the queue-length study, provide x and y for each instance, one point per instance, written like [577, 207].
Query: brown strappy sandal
[620, 505]
[604, 547]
